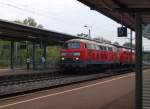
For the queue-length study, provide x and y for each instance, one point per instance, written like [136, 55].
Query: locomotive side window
[115, 49]
[93, 46]
[88, 46]
[97, 47]
[85, 45]
[104, 48]
[100, 47]
[110, 49]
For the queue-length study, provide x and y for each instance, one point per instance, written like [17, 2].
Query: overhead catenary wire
[34, 11]
[28, 7]
[43, 13]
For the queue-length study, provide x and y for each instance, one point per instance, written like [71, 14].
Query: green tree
[27, 53]
[52, 51]
[4, 53]
[30, 22]
[22, 54]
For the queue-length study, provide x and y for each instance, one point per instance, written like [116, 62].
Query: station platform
[116, 92]
[124, 102]
[146, 89]
[128, 101]
[5, 72]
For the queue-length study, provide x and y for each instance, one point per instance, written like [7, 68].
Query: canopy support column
[44, 53]
[12, 55]
[131, 40]
[33, 56]
[138, 66]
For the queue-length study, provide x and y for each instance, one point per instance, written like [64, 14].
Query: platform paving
[146, 89]
[128, 101]
[109, 93]
[124, 102]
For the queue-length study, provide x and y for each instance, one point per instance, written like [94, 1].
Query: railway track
[25, 78]
[20, 84]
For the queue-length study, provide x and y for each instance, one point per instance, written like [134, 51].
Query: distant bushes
[52, 55]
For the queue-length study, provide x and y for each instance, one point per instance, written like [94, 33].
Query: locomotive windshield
[72, 45]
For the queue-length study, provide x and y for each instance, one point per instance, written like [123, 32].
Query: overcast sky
[68, 16]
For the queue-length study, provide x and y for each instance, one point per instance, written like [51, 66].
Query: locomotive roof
[91, 41]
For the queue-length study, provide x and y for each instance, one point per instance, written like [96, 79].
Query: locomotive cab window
[72, 45]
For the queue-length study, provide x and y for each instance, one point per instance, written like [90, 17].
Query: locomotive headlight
[76, 59]
[62, 58]
[76, 54]
[63, 54]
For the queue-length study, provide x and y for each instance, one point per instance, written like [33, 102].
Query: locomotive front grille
[70, 59]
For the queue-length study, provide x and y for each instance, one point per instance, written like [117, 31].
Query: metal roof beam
[17, 32]
[134, 10]
[121, 5]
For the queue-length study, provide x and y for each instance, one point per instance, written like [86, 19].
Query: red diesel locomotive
[82, 53]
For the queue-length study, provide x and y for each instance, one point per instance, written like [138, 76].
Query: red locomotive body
[82, 53]
[126, 57]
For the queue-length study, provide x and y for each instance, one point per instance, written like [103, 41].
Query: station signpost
[122, 32]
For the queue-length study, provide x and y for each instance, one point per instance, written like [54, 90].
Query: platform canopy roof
[122, 11]
[18, 32]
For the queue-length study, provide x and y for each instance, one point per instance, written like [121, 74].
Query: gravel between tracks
[49, 82]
